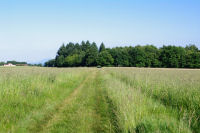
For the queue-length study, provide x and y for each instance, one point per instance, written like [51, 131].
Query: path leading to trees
[86, 109]
[57, 116]
[105, 100]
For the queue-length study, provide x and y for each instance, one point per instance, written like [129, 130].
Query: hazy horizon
[33, 31]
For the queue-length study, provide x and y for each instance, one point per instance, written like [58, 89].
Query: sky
[33, 30]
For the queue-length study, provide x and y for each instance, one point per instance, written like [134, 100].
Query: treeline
[88, 54]
[17, 63]
[13, 62]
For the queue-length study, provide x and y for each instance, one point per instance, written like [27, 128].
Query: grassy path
[106, 105]
[50, 115]
[87, 109]
[57, 115]
[94, 100]
[105, 110]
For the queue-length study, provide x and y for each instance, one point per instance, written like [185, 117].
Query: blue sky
[33, 30]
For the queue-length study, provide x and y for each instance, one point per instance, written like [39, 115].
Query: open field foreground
[92, 100]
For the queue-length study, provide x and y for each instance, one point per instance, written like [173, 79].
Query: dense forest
[88, 54]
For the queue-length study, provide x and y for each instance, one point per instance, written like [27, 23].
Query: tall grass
[110, 100]
[137, 113]
[27, 95]
[174, 88]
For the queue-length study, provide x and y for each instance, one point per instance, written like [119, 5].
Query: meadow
[97, 100]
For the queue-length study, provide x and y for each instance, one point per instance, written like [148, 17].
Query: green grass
[173, 88]
[29, 94]
[109, 100]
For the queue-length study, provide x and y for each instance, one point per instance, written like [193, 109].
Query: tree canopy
[16, 62]
[88, 54]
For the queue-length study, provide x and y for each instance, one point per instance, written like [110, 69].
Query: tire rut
[56, 116]
[105, 109]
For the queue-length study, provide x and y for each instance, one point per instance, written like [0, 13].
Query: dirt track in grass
[57, 115]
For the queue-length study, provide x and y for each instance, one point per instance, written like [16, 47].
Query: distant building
[9, 65]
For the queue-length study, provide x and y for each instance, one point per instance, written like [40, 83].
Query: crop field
[99, 100]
